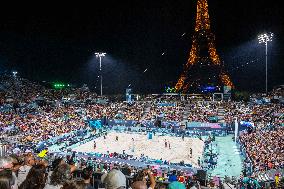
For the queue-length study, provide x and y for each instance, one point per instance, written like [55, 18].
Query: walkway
[229, 159]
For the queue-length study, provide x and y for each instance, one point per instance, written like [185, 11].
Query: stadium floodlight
[100, 55]
[265, 38]
[14, 73]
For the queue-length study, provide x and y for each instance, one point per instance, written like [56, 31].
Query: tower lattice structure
[203, 66]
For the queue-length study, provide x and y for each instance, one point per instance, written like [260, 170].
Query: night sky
[52, 42]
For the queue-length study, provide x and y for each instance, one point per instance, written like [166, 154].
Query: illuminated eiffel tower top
[202, 16]
[201, 35]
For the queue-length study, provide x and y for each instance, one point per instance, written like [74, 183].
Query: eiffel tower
[203, 67]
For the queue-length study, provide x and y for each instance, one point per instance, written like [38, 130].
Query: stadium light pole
[14, 73]
[265, 38]
[100, 55]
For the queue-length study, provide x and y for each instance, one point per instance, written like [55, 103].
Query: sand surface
[137, 144]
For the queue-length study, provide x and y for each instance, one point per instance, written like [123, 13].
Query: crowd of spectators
[172, 112]
[118, 110]
[202, 111]
[28, 171]
[265, 147]
[36, 113]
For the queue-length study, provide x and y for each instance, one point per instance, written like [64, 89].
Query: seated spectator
[16, 162]
[140, 181]
[115, 179]
[6, 166]
[139, 185]
[193, 183]
[126, 170]
[6, 163]
[35, 179]
[181, 177]
[7, 179]
[87, 175]
[24, 170]
[79, 184]
[55, 164]
[173, 176]
[59, 176]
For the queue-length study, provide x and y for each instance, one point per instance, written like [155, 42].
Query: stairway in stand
[146, 111]
[186, 113]
[221, 115]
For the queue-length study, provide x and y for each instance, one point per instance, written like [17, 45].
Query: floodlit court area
[137, 144]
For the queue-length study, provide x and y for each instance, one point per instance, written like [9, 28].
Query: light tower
[100, 55]
[14, 73]
[265, 38]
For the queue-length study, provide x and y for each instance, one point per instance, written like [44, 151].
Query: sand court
[137, 144]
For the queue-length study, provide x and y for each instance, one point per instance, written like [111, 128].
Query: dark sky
[57, 42]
